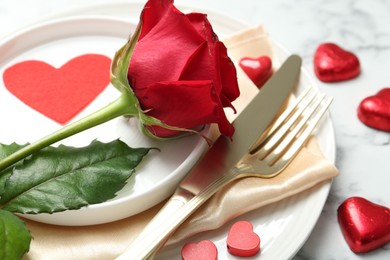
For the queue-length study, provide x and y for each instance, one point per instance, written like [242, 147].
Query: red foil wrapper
[332, 63]
[365, 225]
[374, 111]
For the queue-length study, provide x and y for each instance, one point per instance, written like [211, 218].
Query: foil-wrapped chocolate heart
[332, 63]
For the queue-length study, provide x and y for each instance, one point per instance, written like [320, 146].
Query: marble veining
[360, 26]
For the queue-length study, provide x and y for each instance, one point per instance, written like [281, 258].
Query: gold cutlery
[261, 147]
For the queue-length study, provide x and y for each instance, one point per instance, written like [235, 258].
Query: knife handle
[149, 241]
[178, 208]
[158, 230]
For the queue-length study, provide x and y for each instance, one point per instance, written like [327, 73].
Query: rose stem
[113, 110]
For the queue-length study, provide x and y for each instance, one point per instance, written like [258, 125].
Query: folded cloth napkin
[107, 241]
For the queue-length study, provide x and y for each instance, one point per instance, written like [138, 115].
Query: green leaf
[14, 237]
[6, 150]
[61, 178]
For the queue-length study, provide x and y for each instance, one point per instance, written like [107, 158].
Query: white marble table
[361, 26]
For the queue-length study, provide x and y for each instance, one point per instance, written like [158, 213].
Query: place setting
[168, 134]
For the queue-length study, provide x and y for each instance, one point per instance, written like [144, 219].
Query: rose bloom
[180, 71]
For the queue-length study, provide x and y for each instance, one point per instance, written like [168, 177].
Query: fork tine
[298, 120]
[301, 132]
[288, 118]
[283, 145]
[304, 136]
[278, 123]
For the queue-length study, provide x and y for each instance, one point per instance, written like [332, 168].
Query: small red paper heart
[332, 63]
[365, 225]
[242, 241]
[374, 111]
[259, 70]
[62, 93]
[205, 250]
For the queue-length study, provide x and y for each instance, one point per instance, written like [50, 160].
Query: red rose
[180, 71]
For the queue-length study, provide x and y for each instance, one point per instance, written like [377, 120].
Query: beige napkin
[108, 240]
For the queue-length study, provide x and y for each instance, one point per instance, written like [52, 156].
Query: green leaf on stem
[14, 237]
[6, 150]
[62, 178]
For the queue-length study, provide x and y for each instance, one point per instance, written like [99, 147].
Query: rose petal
[203, 64]
[230, 89]
[223, 72]
[203, 26]
[197, 69]
[201, 106]
[152, 14]
[155, 59]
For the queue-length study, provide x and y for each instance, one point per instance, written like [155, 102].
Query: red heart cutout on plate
[365, 225]
[242, 241]
[374, 111]
[332, 63]
[62, 93]
[205, 250]
[259, 70]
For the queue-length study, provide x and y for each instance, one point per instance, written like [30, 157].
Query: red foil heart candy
[241, 240]
[374, 111]
[205, 250]
[259, 70]
[365, 225]
[332, 63]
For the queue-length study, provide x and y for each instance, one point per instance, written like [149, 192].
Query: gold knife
[250, 125]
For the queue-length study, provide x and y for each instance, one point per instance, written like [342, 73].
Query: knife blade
[220, 158]
[249, 124]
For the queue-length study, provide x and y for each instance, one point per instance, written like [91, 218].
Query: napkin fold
[107, 241]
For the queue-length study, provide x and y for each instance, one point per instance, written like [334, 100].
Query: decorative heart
[259, 70]
[365, 225]
[374, 111]
[242, 241]
[205, 250]
[62, 93]
[332, 63]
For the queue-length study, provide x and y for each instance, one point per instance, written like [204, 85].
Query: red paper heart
[242, 241]
[259, 70]
[365, 225]
[374, 111]
[205, 250]
[332, 63]
[62, 93]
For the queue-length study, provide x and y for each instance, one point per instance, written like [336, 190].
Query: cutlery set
[268, 135]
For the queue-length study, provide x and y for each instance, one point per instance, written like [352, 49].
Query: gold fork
[267, 157]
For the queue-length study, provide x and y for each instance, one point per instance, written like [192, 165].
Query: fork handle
[178, 208]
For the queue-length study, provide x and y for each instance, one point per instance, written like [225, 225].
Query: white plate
[284, 226]
[56, 42]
